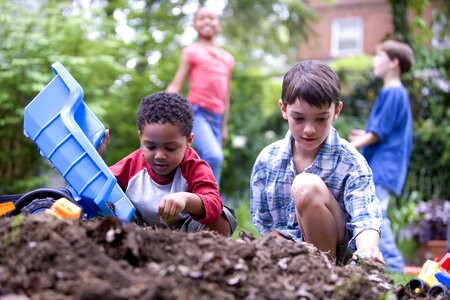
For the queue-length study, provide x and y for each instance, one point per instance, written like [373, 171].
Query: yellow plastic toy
[64, 209]
[6, 208]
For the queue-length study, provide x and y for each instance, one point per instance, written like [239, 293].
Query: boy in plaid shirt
[314, 186]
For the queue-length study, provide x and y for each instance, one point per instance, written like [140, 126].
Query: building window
[346, 37]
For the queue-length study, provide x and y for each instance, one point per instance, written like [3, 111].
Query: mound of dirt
[46, 258]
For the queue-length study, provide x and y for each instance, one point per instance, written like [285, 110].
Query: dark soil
[42, 257]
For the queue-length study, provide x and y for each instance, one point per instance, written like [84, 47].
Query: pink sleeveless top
[209, 77]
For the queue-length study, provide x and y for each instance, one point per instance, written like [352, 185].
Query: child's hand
[371, 253]
[101, 148]
[355, 134]
[171, 205]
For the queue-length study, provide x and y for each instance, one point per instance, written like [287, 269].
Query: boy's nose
[309, 129]
[160, 155]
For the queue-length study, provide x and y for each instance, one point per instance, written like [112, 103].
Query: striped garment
[343, 169]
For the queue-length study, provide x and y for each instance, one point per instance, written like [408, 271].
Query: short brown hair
[401, 51]
[311, 81]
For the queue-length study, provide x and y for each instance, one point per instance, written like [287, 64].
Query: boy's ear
[190, 139]
[283, 109]
[337, 110]
[395, 63]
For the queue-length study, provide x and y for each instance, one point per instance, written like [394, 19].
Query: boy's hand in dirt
[373, 253]
[101, 148]
[171, 205]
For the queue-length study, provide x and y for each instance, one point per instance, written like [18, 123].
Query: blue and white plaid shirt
[343, 169]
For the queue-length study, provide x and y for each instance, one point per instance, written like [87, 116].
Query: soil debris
[46, 258]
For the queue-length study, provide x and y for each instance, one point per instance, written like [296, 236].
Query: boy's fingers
[175, 210]
[378, 256]
[167, 210]
[162, 208]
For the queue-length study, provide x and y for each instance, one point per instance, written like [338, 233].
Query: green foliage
[116, 72]
[244, 222]
[20, 77]
[276, 27]
[84, 40]
[14, 234]
[246, 103]
[352, 63]
[358, 91]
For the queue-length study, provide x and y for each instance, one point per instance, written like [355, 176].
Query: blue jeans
[391, 255]
[208, 139]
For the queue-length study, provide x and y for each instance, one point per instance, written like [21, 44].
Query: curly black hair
[165, 107]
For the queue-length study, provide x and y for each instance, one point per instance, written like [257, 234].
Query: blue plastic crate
[67, 133]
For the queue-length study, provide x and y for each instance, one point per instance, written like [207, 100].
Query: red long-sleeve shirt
[145, 190]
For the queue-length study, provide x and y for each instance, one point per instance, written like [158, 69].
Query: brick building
[348, 27]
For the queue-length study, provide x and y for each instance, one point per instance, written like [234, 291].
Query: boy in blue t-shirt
[387, 141]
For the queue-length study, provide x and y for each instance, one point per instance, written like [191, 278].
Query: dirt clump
[46, 258]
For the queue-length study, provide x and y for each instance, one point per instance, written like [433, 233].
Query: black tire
[38, 205]
[38, 194]
[417, 287]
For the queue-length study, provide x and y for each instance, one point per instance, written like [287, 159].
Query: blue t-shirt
[391, 120]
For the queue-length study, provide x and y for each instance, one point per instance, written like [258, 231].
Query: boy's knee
[307, 190]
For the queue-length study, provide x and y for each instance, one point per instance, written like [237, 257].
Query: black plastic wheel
[38, 205]
[44, 193]
[417, 287]
[436, 291]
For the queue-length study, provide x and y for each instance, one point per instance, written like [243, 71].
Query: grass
[398, 278]
[244, 220]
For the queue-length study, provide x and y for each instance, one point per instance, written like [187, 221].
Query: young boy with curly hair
[387, 141]
[314, 186]
[167, 182]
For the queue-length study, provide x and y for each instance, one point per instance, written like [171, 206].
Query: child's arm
[360, 138]
[364, 210]
[171, 205]
[202, 186]
[176, 86]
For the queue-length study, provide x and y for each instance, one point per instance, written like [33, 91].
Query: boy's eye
[151, 148]
[322, 119]
[171, 149]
